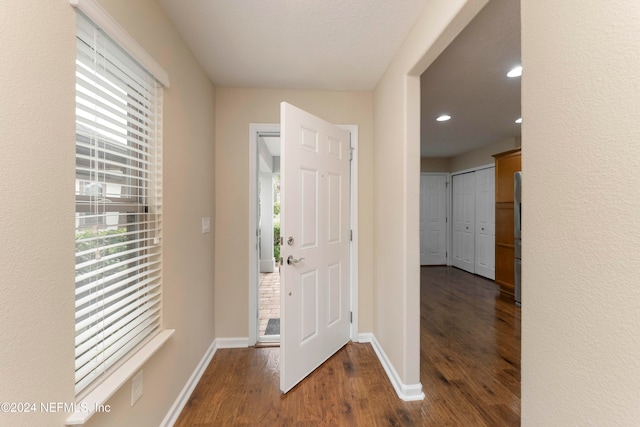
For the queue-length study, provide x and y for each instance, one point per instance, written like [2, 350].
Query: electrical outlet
[136, 388]
[206, 225]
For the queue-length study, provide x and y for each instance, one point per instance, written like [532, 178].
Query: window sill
[98, 396]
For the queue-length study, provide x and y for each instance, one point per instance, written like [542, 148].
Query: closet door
[464, 206]
[433, 219]
[485, 223]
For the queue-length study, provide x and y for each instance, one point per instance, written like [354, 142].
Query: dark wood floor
[470, 372]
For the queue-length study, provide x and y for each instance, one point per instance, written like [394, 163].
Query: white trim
[476, 168]
[102, 19]
[194, 379]
[406, 392]
[99, 395]
[185, 394]
[236, 342]
[353, 129]
[254, 129]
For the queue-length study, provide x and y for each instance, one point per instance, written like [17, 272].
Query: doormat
[273, 327]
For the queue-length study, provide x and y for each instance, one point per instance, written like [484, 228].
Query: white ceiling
[347, 45]
[294, 44]
[272, 143]
[468, 81]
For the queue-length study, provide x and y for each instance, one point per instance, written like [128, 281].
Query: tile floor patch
[268, 299]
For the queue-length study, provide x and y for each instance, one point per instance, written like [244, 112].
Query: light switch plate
[206, 225]
[136, 388]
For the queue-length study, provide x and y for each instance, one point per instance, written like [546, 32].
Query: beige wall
[580, 345]
[37, 130]
[581, 167]
[396, 183]
[434, 164]
[36, 191]
[235, 110]
[483, 155]
[479, 157]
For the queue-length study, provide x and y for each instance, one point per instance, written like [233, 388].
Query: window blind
[118, 204]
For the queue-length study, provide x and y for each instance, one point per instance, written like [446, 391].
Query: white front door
[433, 219]
[314, 308]
[464, 193]
[485, 223]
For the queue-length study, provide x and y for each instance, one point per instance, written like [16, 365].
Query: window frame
[137, 214]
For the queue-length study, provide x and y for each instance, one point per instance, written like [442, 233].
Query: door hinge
[281, 240]
[351, 317]
[351, 235]
[350, 153]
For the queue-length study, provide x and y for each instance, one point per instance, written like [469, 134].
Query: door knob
[291, 260]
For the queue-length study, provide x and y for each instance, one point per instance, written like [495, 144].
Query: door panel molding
[308, 337]
[487, 269]
[274, 128]
[434, 214]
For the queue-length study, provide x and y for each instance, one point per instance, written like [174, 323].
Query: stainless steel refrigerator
[517, 233]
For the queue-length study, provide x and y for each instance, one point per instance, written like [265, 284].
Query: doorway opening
[268, 235]
[259, 331]
[467, 115]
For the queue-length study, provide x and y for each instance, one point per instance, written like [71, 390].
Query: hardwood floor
[470, 371]
[469, 349]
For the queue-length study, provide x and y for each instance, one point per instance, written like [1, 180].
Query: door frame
[254, 275]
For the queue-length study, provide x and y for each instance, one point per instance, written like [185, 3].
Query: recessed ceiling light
[443, 118]
[519, 120]
[515, 72]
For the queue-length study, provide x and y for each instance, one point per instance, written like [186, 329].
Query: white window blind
[118, 204]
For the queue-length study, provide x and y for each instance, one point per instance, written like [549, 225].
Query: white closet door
[485, 223]
[464, 205]
[433, 219]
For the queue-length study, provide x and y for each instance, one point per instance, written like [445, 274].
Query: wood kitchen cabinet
[507, 164]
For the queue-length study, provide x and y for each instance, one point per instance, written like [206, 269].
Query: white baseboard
[407, 392]
[240, 342]
[185, 394]
[365, 337]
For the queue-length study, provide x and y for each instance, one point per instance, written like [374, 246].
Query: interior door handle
[291, 260]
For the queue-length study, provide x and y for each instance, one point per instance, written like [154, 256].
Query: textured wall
[37, 114]
[397, 186]
[483, 155]
[581, 168]
[37, 173]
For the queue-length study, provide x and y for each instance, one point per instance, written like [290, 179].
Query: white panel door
[423, 219]
[463, 245]
[485, 223]
[433, 219]
[314, 297]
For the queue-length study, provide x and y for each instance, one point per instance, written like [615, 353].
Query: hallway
[470, 371]
[469, 349]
